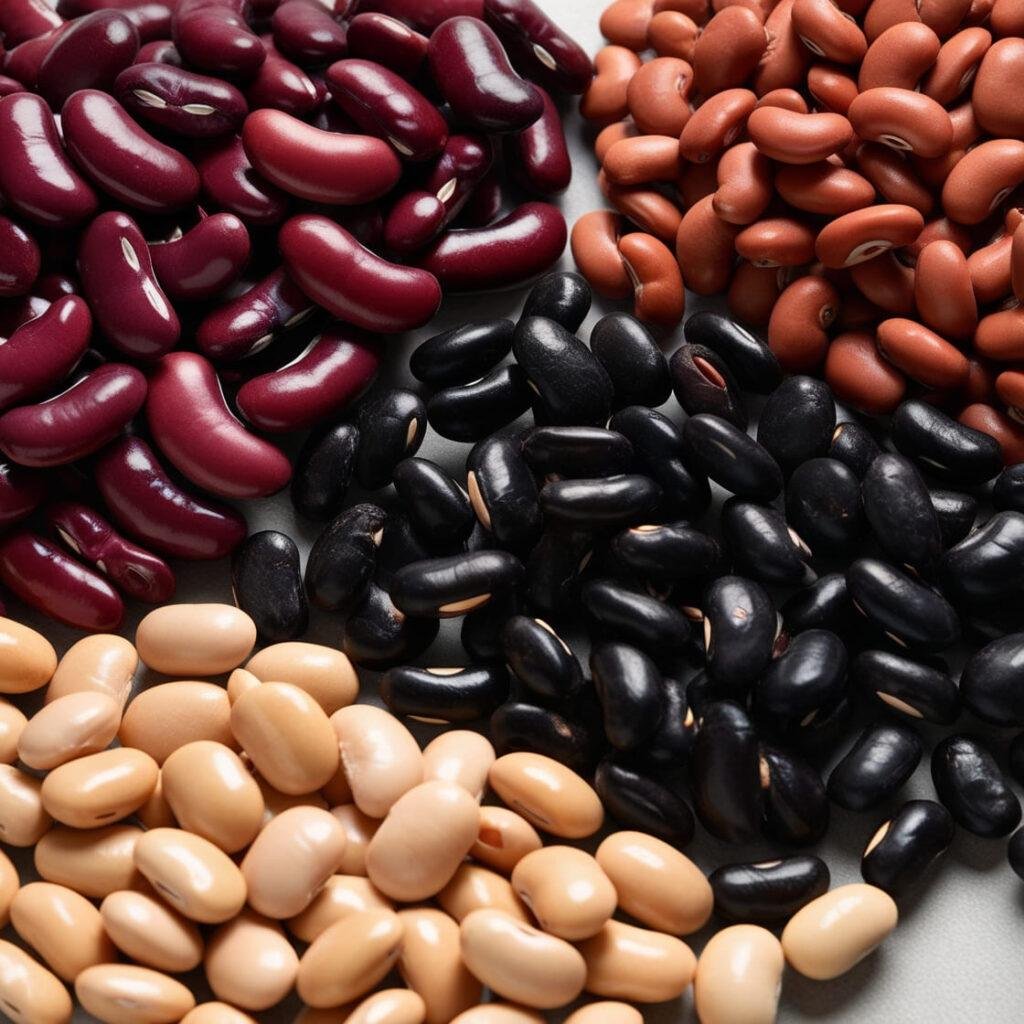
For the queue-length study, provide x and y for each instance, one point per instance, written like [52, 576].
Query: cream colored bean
[739, 975]
[567, 891]
[498, 1013]
[459, 756]
[606, 1013]
[337, 791]
[431, 964]
[547, 794]
[101, 788]
[381, 757]
[275, 802]
[475, 888]
[12, 725]
[195, 639]
[421, 842]
[150, 932]
[324, 673]
[624, 962]
[655, 883]
[239, 682]
[29, 993]
[503, 838]
[125, 994]
[359, 830]
[212, 794]
[341, 897]
[194, 876]
[216, 1013]
[156, 811]
[287, 736]
[350, 958]
[249, 962]
[23, 819]
[102, 663]
[390, 1006]
[95, 862]
[521, 963]
[836, 931]
[163, 718]
[72, 726]
[291, 859]
[9, 883]
[27, 658]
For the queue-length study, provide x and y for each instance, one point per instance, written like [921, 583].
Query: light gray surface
[956, 956]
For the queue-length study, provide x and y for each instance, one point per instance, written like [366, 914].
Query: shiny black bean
[576, 742]
[640, 802]
[668, 552]
[912, 687]
[1015, 852]
[823, 504]
[540, 659]
[797, 421]
[602, 502]
[732, 458]
[819, 734]
[763, 545]
[266, 580]
[617, 612]
[444, 694]
[401, 545]
[855, 446]
[795, 805]
[572, 387]
[324, 470]
[1008, 490]
[990, 620]
[560, 296]
[875, 768]
[740, 627]
[377, 635]
[470, 412]
[957, 513]
[989, 564]
[702, 382]
[446, 587]
[672, 742]
[391, 427]
[577, 452]
[632, 359]
[481, 628]
[973, 789]
[909, 612]
[768, 893]
[749, 358]
[825, 604]
[809, 675]
[554, 568]
[344, 557]
[1015, 758]
[942, 446]
[503, 491]
[438, 508]
[991, 684]
[629, 687]
[462, 354]
[901, 851]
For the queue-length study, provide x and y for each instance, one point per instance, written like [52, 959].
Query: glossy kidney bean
[987, 681]
[30, 991]
[763, 546]
[575, 452]
[444, 587]
[560, 296]
[876, 766]
[996, 108]
[1008, 490]
[391, 426]
[344, 556]
[972, 787]
[21, 259]
[864, 234]
[823, 504]
[267, 585]
[983, 179]
[605, 98]
[668, 552]
[797, 421]
[439, 508]
[821, 605]
[462, 354]
[797, 329]
[540, 659]
[981, 567]
[740, 629]
[543, 164]
[444, 694]
[204, 260]
[768, 893]
[307, 33]
[957, 512]
[905, 846]
[425, 15]
[229, 180]
[413, 222]
[942, 446]
[21, 492]
[388, 41]
[213, 35]
[703, 383]
[808, 676]
[628, 685]
[750, 360]
[503, 491]
[642, 802]
[473, 411]
[27, 19]
[793, 138]
[520, 727]
[796, 807]
[281, 84]
[904, 119]
[161, 50]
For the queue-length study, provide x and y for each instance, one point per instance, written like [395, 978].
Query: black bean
[600, 502]
[377, 635]
[1008, 490]
[391, 427]
[629, 688]
[749, 358]
[796, 807]
[540, 659]
[740, 627]
[991, 684]
[324, 470]
[797, 421]
[821, 731]
[902, 850]
[1015, 758]
[825, 604]
[438, 508]
[469, 412]
[1015, 852]
[823, 504]
[672, 742]
[503, 491]
[702, 382]
[401, 544]
[957, 513]
[989, 564]
[560, 296]
[942, 446]
[973, 789]
[574, 452]
[266, 579]
[554, 568]
[481, 628]
[444, 694]
[768, 893]
[667, 552]
[763, 545]
[632, 360]
[620, 613]
[732, 458]
[875, 768]
[576, 742]
[855, 446]
[641, 802]
[808, 676]
[446, 587]
[463, 353]
[344, 557]
[912, 687]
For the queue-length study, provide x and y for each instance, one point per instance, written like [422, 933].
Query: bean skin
[864, 234]
[204, 260]
[793, 138]
[798, 324]
[943, 291]
[605, 98]
[983, 179]
[308, 35]
[280, 84]
[921, 354]
[728, 50]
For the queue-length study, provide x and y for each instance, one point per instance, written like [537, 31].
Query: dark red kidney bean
[282, 85]
[231, 182]
[15, 313]
[541, 156]
[414, 222]
[22, 491]
[472, 71]
[138, 573]
[48, 580]
[42, 352]
[203, 261]
[180, 101]
[21, 20]
[193, 426]
[148, 504]
[9, 85]
[122, 290]
[78, 421]
[973, 788]
[351, 282]
[22, 62]
[159, 51]
[89, 55]
[306, 32]
[212, 35]
[51, 287]
[331, 374]
[386, 40]
[323, 167]
[484, 203]
[425, 14]
[152, 20]
[123, 159]
[20, 259]
[459, 171]
[245, 325]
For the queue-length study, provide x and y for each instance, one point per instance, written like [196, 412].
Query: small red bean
[625, 23]
[785, 61]
[673, 34]
[658, 96]
[728, 50]
[902, 119]
[990, 269]
[788, 99]
[706, 248]
[956, 65]
[983, 179]
[864, 234]
[657, 284]
[899, 57]
[744, 178]
[996, 98]
[833, 90]
[860, 377]
[894, 177]
[943, 291]
[605, 98]
[753, 293]
[797, 330]
[642, 159]
[798, 138]
[1000, 336]
[825, 188]
[650, 210]
[921, 354]
[595, 249]
[827, 32]
[777, 242]
[1010, 389]
[1009, 434]
[612, 133]
[715, 124]
[887, 283]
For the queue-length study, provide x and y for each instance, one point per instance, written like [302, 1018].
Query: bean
[740, 628]
[391, 427]
[605, 99]
[94, 862]
[956, 65]
[658, 96]
[430, 963]
[982, 566]
[794, 138]
[731, 458]
[739, 971]
[444, 694]
[122, 993]
[823, 504]
[23, 819]
[343, 557]
[474, 888]
[605, 1012]
[768, 893]
[543, 164]
[503, 839]
[462, 354]
[943, 446]
[808, 676]
[388, 41]
[918, 690]
[876, 767]
[221, 638]
[474, 411]
[799, 321]
[744, 178]
[151, 933]
[249, 961]
[540, 659]
[728, 50]
[267, 585]
[705, 248]
[72, 726]
[749, 359]
[623, 613]
[949, 307]
[310, 36]
[668, 552]
[595, 250]
[214, 36]
[904, 847]
[518, 726]
[460, 757]
[445, 587]
[957, 513]
[864, 234]
[29, 658]
[341, 897]
[23, 21]
[31, 993]
[765, 548]
[378, 635]
[997, 112]
[21, 491]
[1006, 492]
[229, 180]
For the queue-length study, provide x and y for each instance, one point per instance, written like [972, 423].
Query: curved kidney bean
[864, 234]
[331, 374]
[744, 177]
[715, 124]
[22, 62]
[472, 71]
[705, 248]
[194, 428]
[625, 22]
[657, 283]
[20, 259]
[799, 322]
[983, 179]
[282, 85]
[672, 34]
[413, 222]
[859, 375]
[794, 138]
[386, 40]
[351, 282]
[894, 176]
[658, 96]
[1000, 335]
[125, 297]
[540, 154]
[21, 20]
[921, 354]
[887, 283]
[776, 242]
[159, 51]
[728, 50]
[605, 97]
[827, 32]
[903, 119]
[595, 249]
[203, 261]
[943, 291]
[899, 56]
[425, 14]
[822, 188]
[21, 492]
[231, 182]
[990, 268]
[48, 580]
[956, 65]
[831, 89]
[785, 59]
[650, 210]
[514, 249]
[213, 35]
[308, 33]
[994, 98]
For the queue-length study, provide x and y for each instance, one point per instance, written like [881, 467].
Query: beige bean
[605, 1013]
[836, 931]
[150, 932]
[29, 993]
[459, 756]
[350, 958]
[474, 888]
[744, 178]
[125, 994]
[291, 859]
[498, 1013]
[341, 897]
[324, 673]
[156, 811]
[739, 975]
[359, 830]
[9, 883]
[705, 248]
[194, 876]
[567, 891]
[390, 1006]
[899, 56]
[421, 842]
[12, 725]
[275, 802]
[547, 794]
[239, 682]
[905, 120]
[72, 726]
[102, 663]
[101, 788]
[337, 791]
[655, 883]
[521, 963]
[431, 964]
[249, 962]
[624, 962]
[95, 862]
[381, 757]
[793, 138]
[163, 718]
[27, 658]
[216, 1013]
[288, 737]
[23, 819]
[503, 838]
[195, 639]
